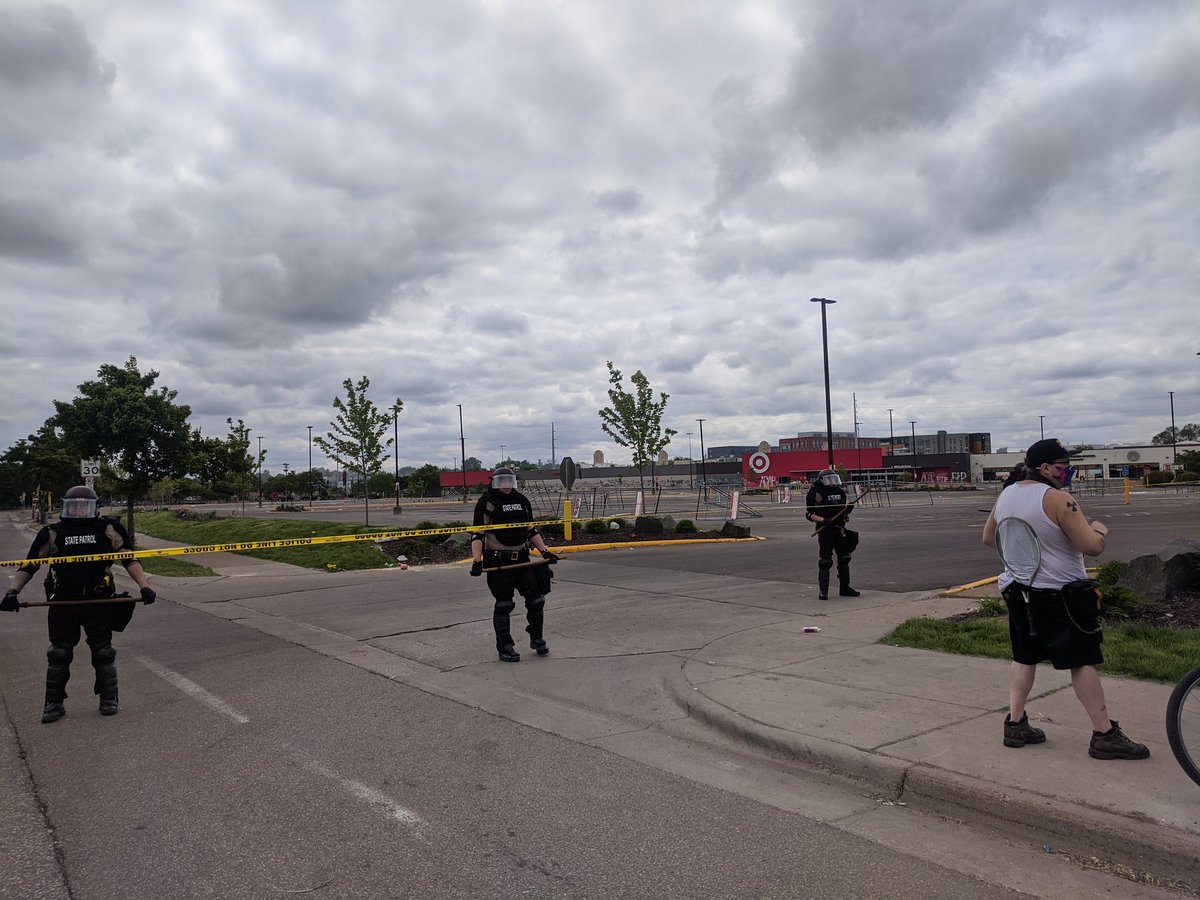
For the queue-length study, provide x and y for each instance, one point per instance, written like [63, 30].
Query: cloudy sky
[479, 202]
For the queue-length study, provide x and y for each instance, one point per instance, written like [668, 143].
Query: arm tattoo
[1072, 506]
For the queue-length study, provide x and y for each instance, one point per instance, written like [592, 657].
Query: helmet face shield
[829, 477]
[504, 480]
[80, 503]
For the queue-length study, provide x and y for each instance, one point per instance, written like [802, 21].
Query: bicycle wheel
[1183, 723]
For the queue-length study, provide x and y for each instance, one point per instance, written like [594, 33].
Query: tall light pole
[396, 452]
[1042, 426]
[703, 473]
[1174, 455]
[502, 457]
[310, 479]
[691, 480]
[891, 436]
[825, 350]
[916, 473]
[260, 462]
[463, 442]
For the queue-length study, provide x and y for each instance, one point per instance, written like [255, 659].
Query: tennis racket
[1021, 554]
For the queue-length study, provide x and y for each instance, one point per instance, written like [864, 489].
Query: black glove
[148, 595]
[549, 557]
[476, 569]
[10, 602]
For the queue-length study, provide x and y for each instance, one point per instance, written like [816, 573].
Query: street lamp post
[1174, 454]
[502, 454]
[825, 351]
[463, 442]
[891, 436]
[916, 468]
[310, 478]
[691, 461]
[260, 462]
[396, 453]
[703, 471]
[1042, 426]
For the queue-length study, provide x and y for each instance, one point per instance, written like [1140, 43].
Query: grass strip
[173, 567]
[1137, 651]
[327, 557]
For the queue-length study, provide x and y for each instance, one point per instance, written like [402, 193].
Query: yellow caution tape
[269, 545]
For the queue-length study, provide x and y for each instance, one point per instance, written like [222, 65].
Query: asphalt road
[246, 765]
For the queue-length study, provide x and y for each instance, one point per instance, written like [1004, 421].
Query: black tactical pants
[64, 624]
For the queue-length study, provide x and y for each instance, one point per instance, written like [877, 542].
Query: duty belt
[506, 555]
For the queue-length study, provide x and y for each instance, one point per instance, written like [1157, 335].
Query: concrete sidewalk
[925, 728]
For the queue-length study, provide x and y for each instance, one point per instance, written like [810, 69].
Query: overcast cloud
[480, 203]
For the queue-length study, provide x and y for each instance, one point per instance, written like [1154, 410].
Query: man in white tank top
[1064, 536]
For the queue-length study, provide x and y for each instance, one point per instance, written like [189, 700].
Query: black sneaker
[848, 591]
[1113, 744]
[824, 595]
[53, 711]
[509, 654]
[1018, 734]
[540, 646]
[108, 706]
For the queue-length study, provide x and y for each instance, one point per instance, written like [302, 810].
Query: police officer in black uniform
[828, 507]
[80, 532]
[505, 547]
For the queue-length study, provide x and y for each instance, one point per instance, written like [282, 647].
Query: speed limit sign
[90, 468]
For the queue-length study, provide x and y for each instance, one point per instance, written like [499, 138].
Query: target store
[770, 469]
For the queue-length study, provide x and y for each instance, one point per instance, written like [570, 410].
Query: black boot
[104, 662]
[539, 644]
[58, 673]
[535, 613]
[823, 568]
[844, 589]
[508, 653]
[52, 711]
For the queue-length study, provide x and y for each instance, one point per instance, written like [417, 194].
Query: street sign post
[89, 468]
[568, 472]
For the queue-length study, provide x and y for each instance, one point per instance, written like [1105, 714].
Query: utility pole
[825, 350]
[703, 472]
[552, 458]
[463, 442]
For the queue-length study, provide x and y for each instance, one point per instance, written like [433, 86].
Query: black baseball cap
[1046, 451]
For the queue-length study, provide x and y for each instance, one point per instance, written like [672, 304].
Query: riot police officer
[504, 548]
[80, 532]
[828, 506]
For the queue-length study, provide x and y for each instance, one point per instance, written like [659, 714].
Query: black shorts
[1057, 638]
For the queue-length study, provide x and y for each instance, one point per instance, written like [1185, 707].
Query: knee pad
[504, 607]
[60, 655]
[103, 655]
[825, 563]
[536, 604]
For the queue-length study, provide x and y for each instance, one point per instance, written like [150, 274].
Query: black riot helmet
[80, 502]
[504, 477]
[830, 478]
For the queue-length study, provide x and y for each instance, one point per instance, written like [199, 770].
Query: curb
[1083, 830]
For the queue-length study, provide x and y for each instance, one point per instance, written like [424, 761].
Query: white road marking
[388, 807]
[194, 690]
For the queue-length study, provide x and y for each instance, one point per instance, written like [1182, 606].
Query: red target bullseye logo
[759, 463]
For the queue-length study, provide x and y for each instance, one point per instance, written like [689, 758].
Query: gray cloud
[474, 207]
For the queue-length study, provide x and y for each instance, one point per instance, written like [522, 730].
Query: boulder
[733, 529]
[648, 525]
[1173, 570]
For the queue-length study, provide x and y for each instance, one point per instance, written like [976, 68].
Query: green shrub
[686, 526]
[648, 525]
[990, 607]
[618, 521]
[550, 528]
[1159, 477]
[1184, 477]
[595, 526]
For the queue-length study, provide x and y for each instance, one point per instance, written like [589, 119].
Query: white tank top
[1062, 563]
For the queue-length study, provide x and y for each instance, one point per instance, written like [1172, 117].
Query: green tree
[473, 464]
[1188, 432]
[425, 481]
[138, 432]
[357, 436]
[40, 462]
[635, 420]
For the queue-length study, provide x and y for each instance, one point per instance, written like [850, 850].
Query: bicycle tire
[1183, 723]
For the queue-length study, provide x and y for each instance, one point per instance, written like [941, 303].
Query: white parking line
[194, 690]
